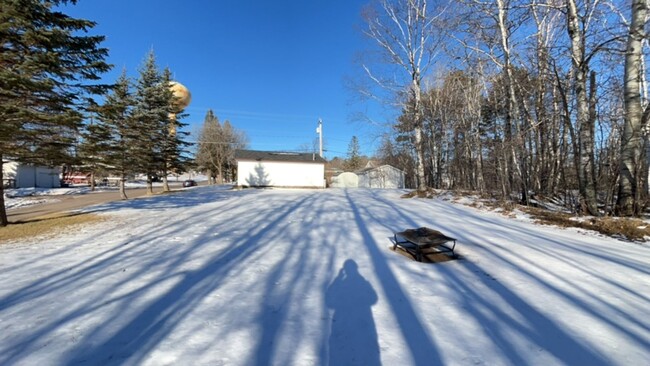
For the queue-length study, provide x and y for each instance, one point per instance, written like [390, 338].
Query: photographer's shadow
[353, 335]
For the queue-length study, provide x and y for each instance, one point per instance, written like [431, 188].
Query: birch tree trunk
[585, 122]
[417, 129]
[630, 165]
[512, 123]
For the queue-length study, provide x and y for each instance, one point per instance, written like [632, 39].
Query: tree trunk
[220, 174]
[3, 210]
[417, 119]
[149, 185]
[123, 189]
[630, 165]
[165, 183]
[92, 181]
[210, 181]
[512, 144]
[585, 123]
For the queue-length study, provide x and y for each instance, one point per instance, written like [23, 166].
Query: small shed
[279, 169]
[18, 175]
[384, 176]
[345, 180]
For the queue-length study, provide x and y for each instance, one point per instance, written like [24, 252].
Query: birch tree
[630, 186]
[577, 26]
[409, 36]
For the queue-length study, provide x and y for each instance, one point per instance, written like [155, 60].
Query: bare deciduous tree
[409, 36]
[216, 146]
[630, 187]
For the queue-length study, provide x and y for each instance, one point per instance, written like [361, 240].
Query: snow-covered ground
[21, 197]
[281, 277]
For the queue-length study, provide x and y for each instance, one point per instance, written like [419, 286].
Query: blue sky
[270, 67]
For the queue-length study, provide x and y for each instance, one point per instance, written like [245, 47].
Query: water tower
[183, 97]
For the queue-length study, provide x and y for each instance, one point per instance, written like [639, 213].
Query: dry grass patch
[620, 227]
[429, 193]
[628, 228]
[46, 225]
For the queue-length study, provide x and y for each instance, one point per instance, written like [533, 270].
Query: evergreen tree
[44, 61]
[174, 148]
[115, 117]
[95, 143]
[151, 112]
[353, 161]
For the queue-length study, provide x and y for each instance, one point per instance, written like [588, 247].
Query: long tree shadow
[505, 327]
[284, 284]
[84, 271]
[135, 340]
[147, 327]
[499, 323]
[353, 334]
[289, 316]
[83, 275]
[421, 345]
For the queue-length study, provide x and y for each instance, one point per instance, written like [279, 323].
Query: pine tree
[95, 142]
[151, 111]
[123, 133]
[174, 148]
[353, 161]
[44, 61]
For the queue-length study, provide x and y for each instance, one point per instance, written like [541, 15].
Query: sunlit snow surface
[21, 197]
[280, 277]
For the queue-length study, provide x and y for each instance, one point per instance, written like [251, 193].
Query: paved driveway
[72, 202]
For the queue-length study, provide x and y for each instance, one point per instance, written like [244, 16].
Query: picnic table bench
[413, 241]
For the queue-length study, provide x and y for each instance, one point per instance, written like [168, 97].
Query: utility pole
[319, 131]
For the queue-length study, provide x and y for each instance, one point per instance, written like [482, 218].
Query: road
[72, 202]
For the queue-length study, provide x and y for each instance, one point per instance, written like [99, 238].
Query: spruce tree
[353, 161]
[95, 142]
[174, 148]
[45, 60]
[151, 111]
[115, 115]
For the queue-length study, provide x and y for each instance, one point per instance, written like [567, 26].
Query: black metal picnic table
[413, 241]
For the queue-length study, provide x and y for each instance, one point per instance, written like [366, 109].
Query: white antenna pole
[320, 136]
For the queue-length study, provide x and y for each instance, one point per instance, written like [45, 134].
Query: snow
[306, 277]
[22, 197]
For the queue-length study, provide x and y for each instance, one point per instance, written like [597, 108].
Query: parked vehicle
[189, 183]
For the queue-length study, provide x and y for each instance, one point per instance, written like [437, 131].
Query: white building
[385, 176]
[279, 169]
[18, 175]
[345, 180]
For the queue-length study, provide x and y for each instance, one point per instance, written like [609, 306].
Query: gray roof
[256, 155]
[368, 169]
